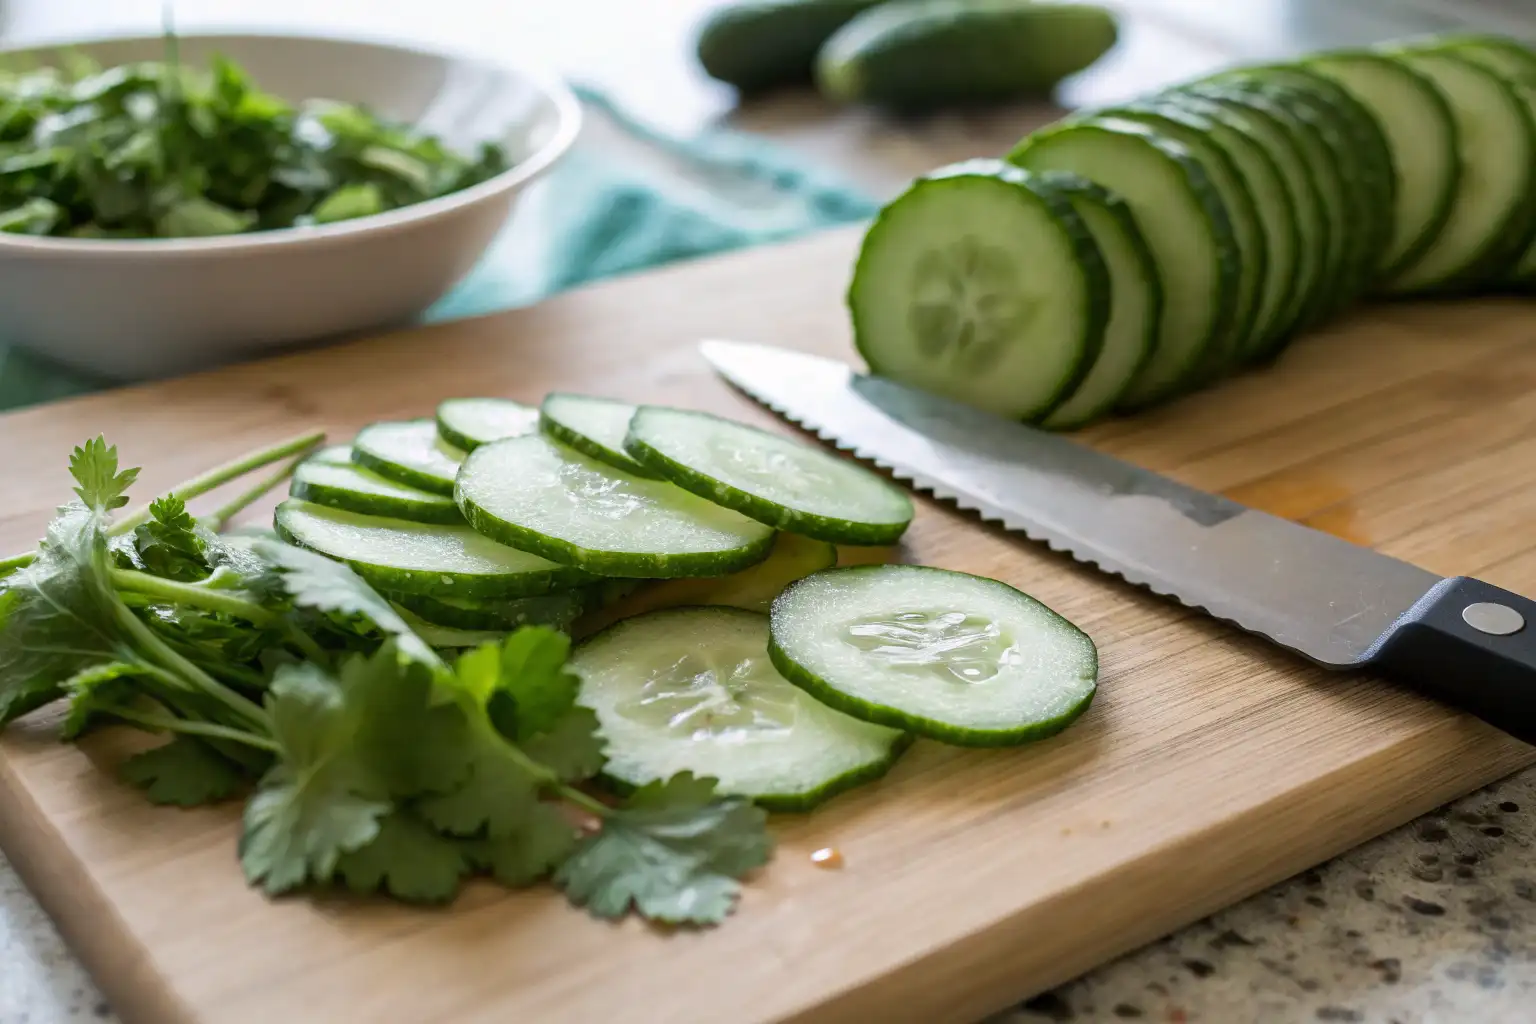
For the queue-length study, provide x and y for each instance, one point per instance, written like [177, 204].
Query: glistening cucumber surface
[591, 425]
[544, 497]
[977, 285]
[468, 423]
[349, 486]
[962, 659]
[416, 558]
[692, 689]
[408, 452]
[773, 479]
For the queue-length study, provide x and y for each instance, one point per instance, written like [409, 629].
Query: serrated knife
[1340, 605]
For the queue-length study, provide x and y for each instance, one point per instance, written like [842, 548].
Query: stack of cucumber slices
[1130, 254]
[696, 560]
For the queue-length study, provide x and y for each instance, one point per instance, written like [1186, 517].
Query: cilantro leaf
[673, 853]
[94, 691]
[409, 860]
[412, 742]
[318, 801]
[572, 748]
[495, 798]
[100, 486]
[314, 581]
[185, 772]
[546, 838]
[533, 672]
[170, 544]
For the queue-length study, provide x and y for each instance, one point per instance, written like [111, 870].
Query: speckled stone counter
[1432, 924]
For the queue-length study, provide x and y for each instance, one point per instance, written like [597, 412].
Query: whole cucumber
[764, 44]
[910, 54]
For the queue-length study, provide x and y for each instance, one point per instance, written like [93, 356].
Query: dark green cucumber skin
[918, 54]
[614, 563]
[1265, 330]
[1301, 186]
[376, 504]
[1089, 259]
[428, 582]
[1363, 161]
[1223, 297]
[1069, 185]
[797, 803]
[880, 714]
[402, 474]
[581, 443]
[463, 442]
[1498, 262]
[1192, 130]
[557, 608]
[763, 511]
[1431, 92]
[769, 44]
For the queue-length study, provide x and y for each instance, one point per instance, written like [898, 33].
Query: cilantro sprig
[367, 759]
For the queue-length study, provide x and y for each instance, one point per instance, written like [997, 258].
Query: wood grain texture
[1209, 766]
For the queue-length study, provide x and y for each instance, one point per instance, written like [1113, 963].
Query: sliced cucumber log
[416, 558]
[1136, 298]
[963, 659]
[558, 609]
[776, 480]
[543, 497]
[468, 423]
[1416, 119]
[692, 689]
[1197, 133]
[593, 426]
[1496, 141]
[410, 453]
[978, 285]
[753, 589]
[349, 486]
[1185, 224]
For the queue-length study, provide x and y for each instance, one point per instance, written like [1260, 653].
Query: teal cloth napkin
[626, 197]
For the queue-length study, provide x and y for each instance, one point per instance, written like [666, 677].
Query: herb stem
[585, 802]
[550, 778]
[169, 723]
[223, 514]
[222, 474]
[225, 601]
[169, 658]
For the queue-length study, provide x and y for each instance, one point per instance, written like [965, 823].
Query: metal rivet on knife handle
[1497, 619]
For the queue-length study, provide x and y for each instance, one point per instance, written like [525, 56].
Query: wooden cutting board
[1209, 766]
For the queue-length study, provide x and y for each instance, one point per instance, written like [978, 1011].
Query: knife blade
[1338, 604]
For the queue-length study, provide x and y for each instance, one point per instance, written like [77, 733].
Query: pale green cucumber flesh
[418, 558]
[541, 496]
[975, 285]
[958, 658]
[776, 480]
[467, 423]
[693, 689]
[591, 425]
[350, 487]
[409, 452]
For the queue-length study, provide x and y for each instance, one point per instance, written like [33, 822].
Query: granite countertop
[1434, 923]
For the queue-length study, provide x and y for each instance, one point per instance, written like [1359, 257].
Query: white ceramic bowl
[137, 309]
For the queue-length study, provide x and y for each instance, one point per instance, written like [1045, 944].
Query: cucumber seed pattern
[700, 697]
[951, 646]
[968, 302]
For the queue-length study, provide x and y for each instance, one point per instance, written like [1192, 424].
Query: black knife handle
[1471, 645]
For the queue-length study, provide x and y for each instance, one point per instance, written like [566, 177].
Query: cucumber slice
[962, 659]
[977, 285]
[558, 609]
[1421, 134]
[1278, 134]
[468, 423]
[1274, 204]
[1184, 222]
[1496, 142]
[776, 480]
[351, 487]
[593, 426]
[692, 689]
[1197, 133]
[416, 558]
[335, 455]
[753, 589]
[546, 498]
[1136, 299]
[447, 638]
[410, 453]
